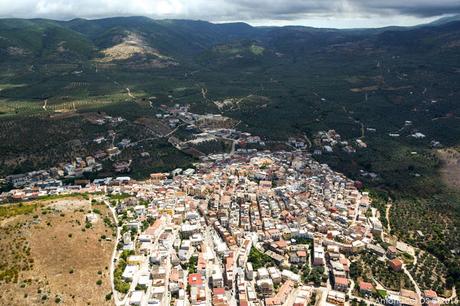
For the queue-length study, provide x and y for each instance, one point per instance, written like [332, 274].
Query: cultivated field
[50, 255]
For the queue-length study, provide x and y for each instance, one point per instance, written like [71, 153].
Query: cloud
[420, 8]
[293, 11]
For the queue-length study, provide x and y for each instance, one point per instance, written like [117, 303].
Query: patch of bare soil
[450, 169]
[254, 101]
[130, 45]
[50, 255]
[17, 51]
[156, 126]
[365, 89]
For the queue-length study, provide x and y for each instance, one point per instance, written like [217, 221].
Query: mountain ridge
[184, 39]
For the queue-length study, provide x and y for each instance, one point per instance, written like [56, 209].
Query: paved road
[129, 93]
[232, 151]
[114, 255]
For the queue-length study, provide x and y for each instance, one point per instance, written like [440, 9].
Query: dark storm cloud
[230, 10]
[422, 8]
[292, 9]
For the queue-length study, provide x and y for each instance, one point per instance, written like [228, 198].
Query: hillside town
[253, 228]
[245, 227]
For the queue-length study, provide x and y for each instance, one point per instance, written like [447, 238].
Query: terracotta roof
[343, 261]
[301, 253]
[244, 303]
[282, 294]
[281, 244]
[218, 291]
[366, 286]
[195, 279]
[153, 228]
[431, 294]
[201, 264]
[174, 275]
[341, 281]
[396, 263]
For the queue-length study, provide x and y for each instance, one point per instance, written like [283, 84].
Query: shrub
[258, 259]
[108, 296]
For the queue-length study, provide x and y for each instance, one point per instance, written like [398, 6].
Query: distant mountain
[173, 37]
[45, 39]
[444, 37]
[445, 20]
[121, 38]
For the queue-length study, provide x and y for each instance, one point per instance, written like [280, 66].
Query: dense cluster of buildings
[212, 220]
[240, 228]
[50, 177]
[246, 229]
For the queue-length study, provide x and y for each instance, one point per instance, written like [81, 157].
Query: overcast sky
[319, 13]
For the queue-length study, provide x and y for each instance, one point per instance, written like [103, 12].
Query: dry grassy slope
[66, 260]
[450, 169]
